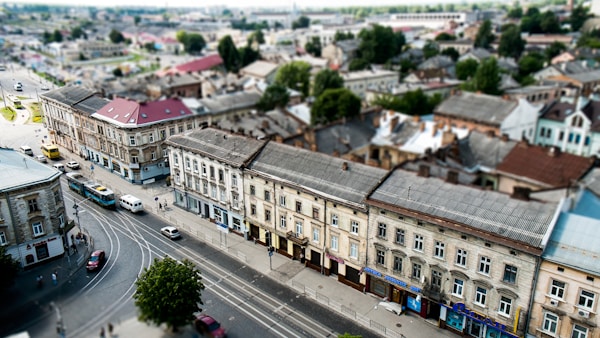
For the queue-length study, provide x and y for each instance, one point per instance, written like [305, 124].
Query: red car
[208, 326]
[96, 260]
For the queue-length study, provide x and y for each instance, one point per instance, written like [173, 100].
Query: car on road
[45, 87]
[18, 86]
[96, 260]
[208, 326]
[41, 158]
[170, 232]
[72, 165]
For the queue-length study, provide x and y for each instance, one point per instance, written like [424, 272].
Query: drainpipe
[324, 236]
[531, 299]
[14, 224]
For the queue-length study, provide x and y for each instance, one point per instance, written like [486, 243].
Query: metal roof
[489, 211]
[477, 107]
[69, 95]
[317, 172]
[19, 170]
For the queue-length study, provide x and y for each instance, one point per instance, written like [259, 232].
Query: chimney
[265, 124]
[504, 138]
[434, 131]
[278, 138]
[490, 133]
[422, 127]
[345, 166]
[386, 162]
[416, 118]
[299, 144]
[394, 123]
[336, 153]
[377, 121]
[424, 170]
[452, 177]
[553, 151]
[313, 147]
[521, 193]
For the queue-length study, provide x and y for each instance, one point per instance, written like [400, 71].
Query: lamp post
[76, 213]
[270, 248]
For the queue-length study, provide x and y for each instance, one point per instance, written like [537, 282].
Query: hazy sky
[237, 3]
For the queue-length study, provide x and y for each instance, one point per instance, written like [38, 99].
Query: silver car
[170, 232]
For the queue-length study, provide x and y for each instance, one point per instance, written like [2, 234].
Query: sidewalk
[327, 291]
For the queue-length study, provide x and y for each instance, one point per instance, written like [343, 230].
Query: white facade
[521, 122]
[358, 82]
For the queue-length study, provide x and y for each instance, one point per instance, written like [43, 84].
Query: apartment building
[32, 210]
[206, 168]
[310, 206]
[455, 254]
[360, 81]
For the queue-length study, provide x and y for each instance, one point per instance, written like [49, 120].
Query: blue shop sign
[395, 281]
[372, 272]
[462, 309]
[414, 303]
[415, 289]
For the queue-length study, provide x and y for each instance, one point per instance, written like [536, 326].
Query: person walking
[159, 206]
[102, 332]
[40, 281]
[110, 329]
[54, 278]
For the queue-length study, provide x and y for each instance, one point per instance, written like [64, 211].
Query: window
[354, 227]
[354, 250]
[316, 235]
[557, 289]
[267, 215]
[397, 264]
[282, 221]
[213, 191]
[480, 295]
[163, 134]
[282, 200]
[151, 137]
[457, 288]
[461, 257]
[298, 207]
[235, 201]
[223, 194]
[2, 238]
[233, 180]
[543, 132]
[57, 197]
[221, 175]
[334, 243]
[561, 135]
[381, 230]
[203, 169]
[195, 166]
[399, 236]
[33, 206]
[505, 304]
[439, 249]
[436, 280]
[586, 299]
[212, 172]
[135, 159]
[380, 257]
[252, 190]
[267, 195]
[187, 163]
[38, 230]
[418, 243]
[484, 265]
[550, 322]
[131, 140]
[175, 160]
[416, 271]
[510, 274]
[253, 209]
[299, 231]
[334, 220]
[205, 188]
[579, 331]
[316, 213]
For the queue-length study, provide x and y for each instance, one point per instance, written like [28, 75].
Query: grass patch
[8, 113]
[36, 112]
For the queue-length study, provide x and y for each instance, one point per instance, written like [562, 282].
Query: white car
[18, 86]
[392, 307]
[72, 165]
[170, 232]
[41, 158]
[45, 87]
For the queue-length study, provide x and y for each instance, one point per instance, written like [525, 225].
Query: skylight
[116, 116]
[127, 115]
[182, 112]
[111, 109]
[131, 120]
[144, 115]
[168, 111]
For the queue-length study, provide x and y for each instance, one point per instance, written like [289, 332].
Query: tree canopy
[115, 36]
[229, 54]
[314, 47]
[430, 49]
[326, 79]
[380, 43]
[9, 268]
[486, 78]
[192, 42]
[485, 35]
[578, 17]
[466, 69]
[554, 49]
[511, 43]
[334, 104]
[445, 37]
[294, 75]
[414, 102]
[274, 96]
[302, 22]
[451, 52]
[169, 293]
[340, 36]
[77, 33]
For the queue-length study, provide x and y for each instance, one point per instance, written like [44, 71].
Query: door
[475, 329]
[297, 251]
[333, 267]
[206, 211]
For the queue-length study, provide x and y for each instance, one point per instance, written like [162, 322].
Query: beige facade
[359, 82]
[565, 303]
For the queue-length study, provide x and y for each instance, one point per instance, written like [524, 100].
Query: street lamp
[76, 213]
[270, 248]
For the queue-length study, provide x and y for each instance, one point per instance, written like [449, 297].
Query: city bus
[50, 151]
[17, 103]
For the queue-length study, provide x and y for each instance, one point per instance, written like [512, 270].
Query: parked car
[170, 232]
[59, 166]
[41, 158]
[96, 260]
[45, 87]
[208, 326]
[72, 165]
[18, 86]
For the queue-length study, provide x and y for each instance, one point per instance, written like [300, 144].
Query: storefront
[461, 320]
[395, 290]
[334, 264]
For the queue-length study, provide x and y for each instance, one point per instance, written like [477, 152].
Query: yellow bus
[50, 151]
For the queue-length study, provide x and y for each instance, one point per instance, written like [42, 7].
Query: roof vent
[182, 112]
[116, 116]
[144, 115]
[168, 111]
[111, 109]
[132, 121]
[568, 111]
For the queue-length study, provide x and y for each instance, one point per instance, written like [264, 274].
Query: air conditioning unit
[583, 313]
[554, 302]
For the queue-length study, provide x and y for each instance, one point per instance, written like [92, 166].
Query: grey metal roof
[19, 170]
[592, 181]
[480, 149]
[317, 172]
[91, 105]
[229, 102]
[478, 107]
[69, 95]
[485, 210]
[229, 148]
[587, 76]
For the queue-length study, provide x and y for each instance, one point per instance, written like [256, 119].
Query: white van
[60, 167]
[26, 150]
[131, 203]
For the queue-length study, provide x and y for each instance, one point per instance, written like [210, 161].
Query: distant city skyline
[242, 3]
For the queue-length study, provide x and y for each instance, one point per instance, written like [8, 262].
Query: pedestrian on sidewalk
[110, 329]
[159, 206]
[54, 278]
[74, 247]
[102, 332]
[40, 281]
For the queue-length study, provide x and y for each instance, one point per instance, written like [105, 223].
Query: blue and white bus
[100, 194]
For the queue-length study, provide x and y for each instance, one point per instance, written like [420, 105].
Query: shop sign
[395, 281]
[415, 289]
[372, 272]
[462, 309]
[333, 258]
[414, 303]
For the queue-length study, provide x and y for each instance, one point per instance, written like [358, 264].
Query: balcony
[300, 240]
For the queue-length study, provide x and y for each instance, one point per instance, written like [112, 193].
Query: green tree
[554, 49]
[229, 54]
[530, 64]
[511, 43]
[149, 46]
[379, 44]
[406, 66]
[247, 55]
[430, 49]
[333, 105]
[314, 47]
[415, 102]
[274, 96]
[531, 22]
[57, 36]
[195, 43]
[115, 36]
[117, 72]
[487, 77]
[484, 36]
[295, 75]
[47, 37]
[9, 268]
[302, 22]
[515, 12]
[445, 37]
[169, 293]
[258, 36]
[451, 52]
[358, 64]
[549, 23]
[77, 32]
[578, 17]
[326, 79]
[340, 36]
[136, 20]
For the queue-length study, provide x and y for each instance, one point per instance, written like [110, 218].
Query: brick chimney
[422, 127]
[336, 153]
[416, 118]
[313, 147]
[424, 170]
[278, 138]
[434, 131]
[345, 166]
[490, 133]
[386, 162]
[553, 151]
[504, 138]
[298, 144]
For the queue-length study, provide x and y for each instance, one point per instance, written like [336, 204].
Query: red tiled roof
[131, 113]
[542, 165]
[198, 65]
